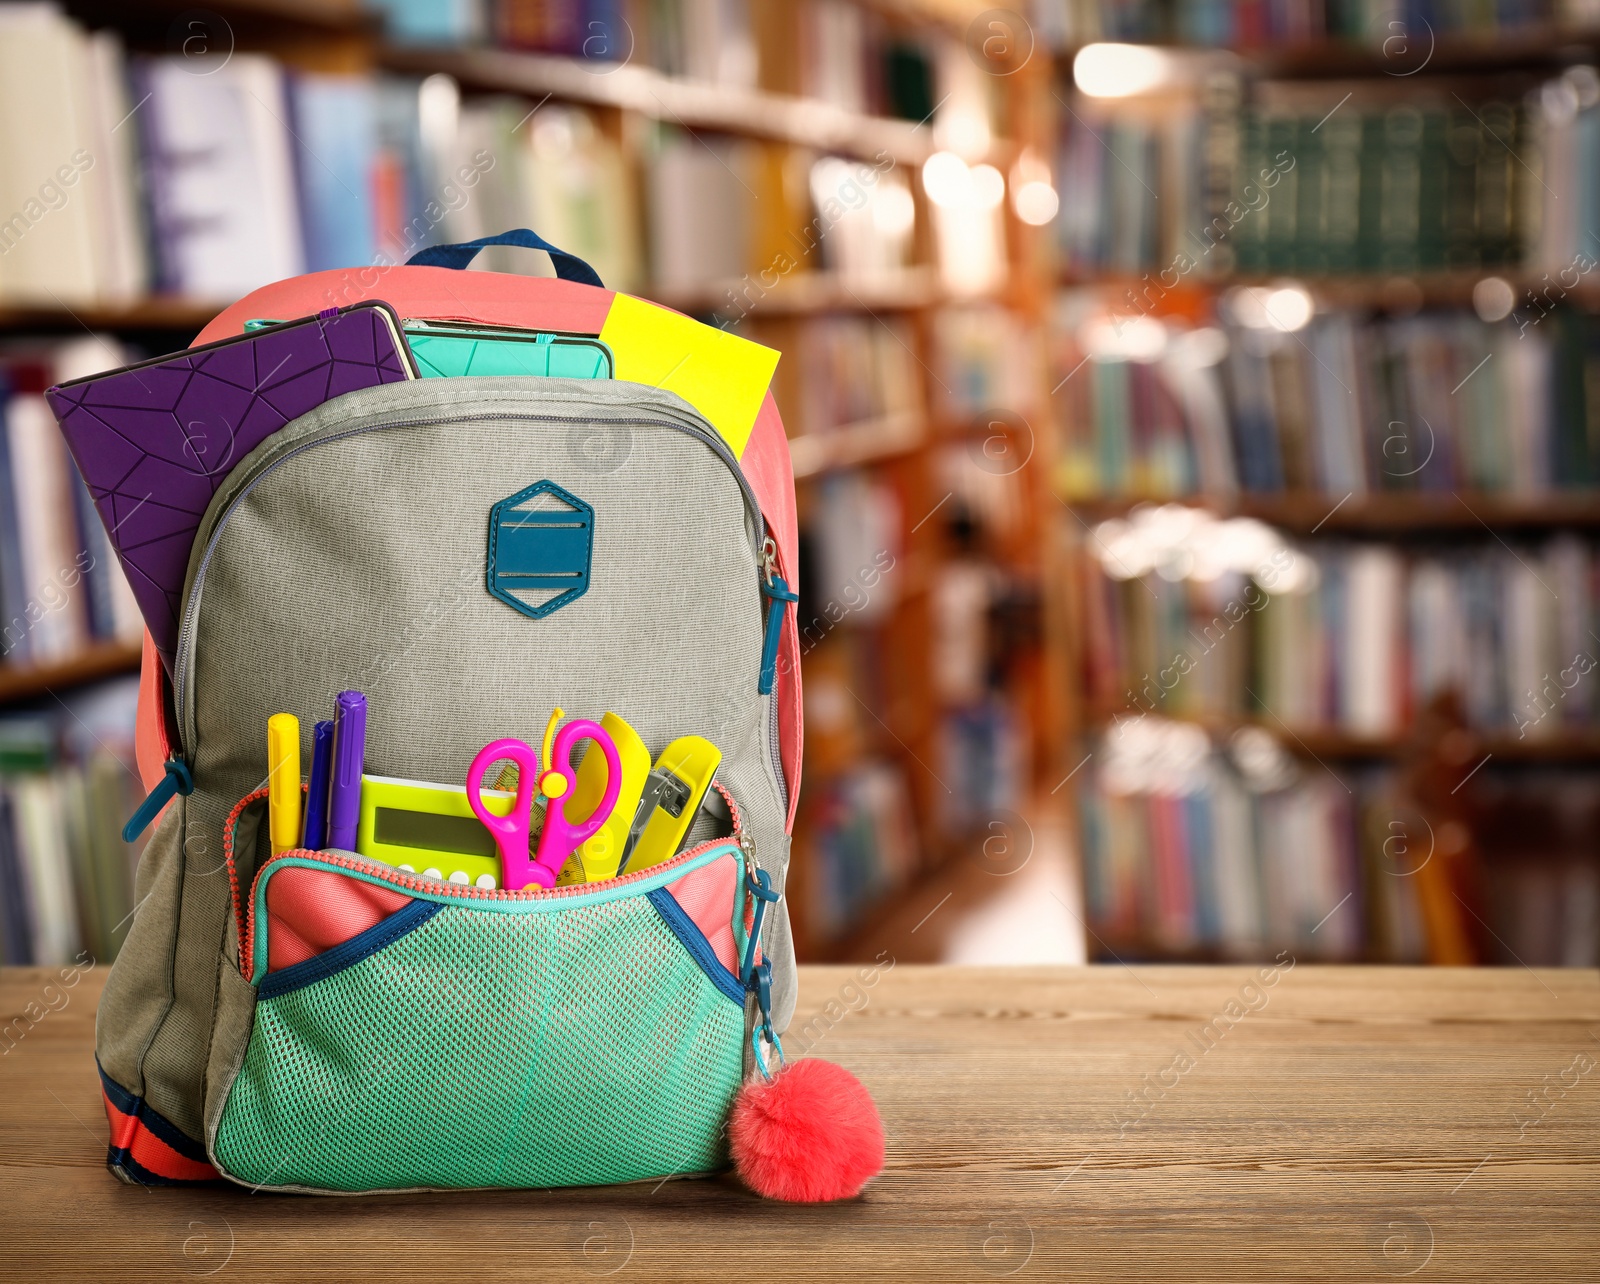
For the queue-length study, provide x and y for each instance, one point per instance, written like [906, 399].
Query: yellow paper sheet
[721, 375]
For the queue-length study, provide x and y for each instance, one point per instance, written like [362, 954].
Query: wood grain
[1357, 1124]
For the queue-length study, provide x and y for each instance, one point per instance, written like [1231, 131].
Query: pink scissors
[560, 838]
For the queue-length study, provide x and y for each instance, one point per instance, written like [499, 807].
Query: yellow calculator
[429, 829]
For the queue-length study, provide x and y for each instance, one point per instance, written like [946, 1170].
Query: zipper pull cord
[178, 780]
[759, 884]
[762, 1029]
[757, 977]
[776, 589]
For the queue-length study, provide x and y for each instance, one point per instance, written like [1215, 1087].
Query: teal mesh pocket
[476, 1047]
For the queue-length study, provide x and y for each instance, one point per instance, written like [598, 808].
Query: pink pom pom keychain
[809, 1133]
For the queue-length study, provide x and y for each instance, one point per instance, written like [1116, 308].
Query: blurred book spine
[861, 844]
[206, 177]
[1434, 403]
[1256, 23]
[1334, 177]
[66, 876]
[61, 587]
[1351, 637]
[1232, 851]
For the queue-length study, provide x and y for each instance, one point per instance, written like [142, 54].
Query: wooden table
[1353, 1124]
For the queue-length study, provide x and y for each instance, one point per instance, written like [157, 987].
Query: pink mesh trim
[706, 895]
[312, 910]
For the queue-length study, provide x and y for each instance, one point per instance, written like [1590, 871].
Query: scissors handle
[560, 837]
[511, 830]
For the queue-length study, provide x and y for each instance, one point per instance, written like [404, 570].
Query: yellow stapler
[670, 801]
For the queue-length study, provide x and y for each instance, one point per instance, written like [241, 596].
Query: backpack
[318, 1022]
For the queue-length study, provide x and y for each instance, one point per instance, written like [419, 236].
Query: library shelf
[100, 660]
[1313, 513]
[257, 17]
[1553, 745]
[891, 921]
[956, 15]
[1406, 52]
[1105, 946]
[810, 293]
[689, 104]
[1397, 292]
[858, 443]
[156, 312]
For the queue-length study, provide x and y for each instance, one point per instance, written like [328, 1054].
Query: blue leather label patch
[541, 541]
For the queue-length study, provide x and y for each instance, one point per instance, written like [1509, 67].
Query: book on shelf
[854, 550]
[207, 177]
[1434, 403]
[219, 166]
[433, 22]
[853, 370]
[1547, 885]
[66, 786]
[1251, 24]
[68, 224]
[1334, 177]
[980, 755]
[1232, 849]
[986, 360]
[1339, 636]
[838, 52]
[61, 586]
[1195, 846]
[860, 844]
[733, 220]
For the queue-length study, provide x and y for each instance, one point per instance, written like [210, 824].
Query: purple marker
[316, 834]
[349, 759]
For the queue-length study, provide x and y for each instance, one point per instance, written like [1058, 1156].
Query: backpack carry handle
[569, 267]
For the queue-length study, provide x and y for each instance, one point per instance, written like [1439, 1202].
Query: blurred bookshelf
[1306, 512]
[991, 366]
[829, 177]
[1317, 689]
[89, 663]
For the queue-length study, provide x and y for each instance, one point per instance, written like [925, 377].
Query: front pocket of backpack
[490, 1040]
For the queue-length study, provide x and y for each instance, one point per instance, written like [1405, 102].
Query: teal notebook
[452, 351]
[446, 351]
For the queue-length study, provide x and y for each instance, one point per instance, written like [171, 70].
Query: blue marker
[349, 760]
[317, 796]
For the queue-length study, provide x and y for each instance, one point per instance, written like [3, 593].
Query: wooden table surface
[1353, 1124]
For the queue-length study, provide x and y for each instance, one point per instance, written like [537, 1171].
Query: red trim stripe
[131, 1139]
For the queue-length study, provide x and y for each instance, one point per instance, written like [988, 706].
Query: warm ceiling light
[946, 179]
[1120, 71]
[893, 210]
[987, 186]
[1036, 203]
[1285, 308]
[1493, 298]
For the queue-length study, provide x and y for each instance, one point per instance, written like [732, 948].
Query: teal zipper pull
[778, 593]
[176, 781]
[758, 883]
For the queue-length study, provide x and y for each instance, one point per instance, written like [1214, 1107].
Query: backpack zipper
[184, 655]
[429, 889]
[778, 594]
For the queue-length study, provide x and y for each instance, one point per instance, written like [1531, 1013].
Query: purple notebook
[155, 440]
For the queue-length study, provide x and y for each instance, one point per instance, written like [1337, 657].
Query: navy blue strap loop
[176, 781]
[569, 267]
